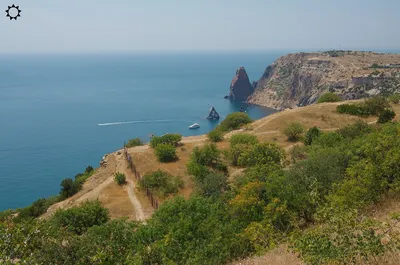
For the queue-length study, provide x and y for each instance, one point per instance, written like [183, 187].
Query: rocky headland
[300, 79]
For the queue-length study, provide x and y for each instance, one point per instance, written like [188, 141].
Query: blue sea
[60, 113]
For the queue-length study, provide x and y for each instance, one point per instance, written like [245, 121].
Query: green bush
[166, 153]
[119, 178]
[234, 121]
[395, 98]
[37, 208]
[89, 169]
[240, 143]
[161, 183]
[376, 104]
[208, 156]
[243, 138]
[134, 142]
[263, 153]
[79, 219]
[329, 97]
[386, 116]
[312, 134]
[69, 188]
[353, 109]
[212, 184]
[294, 131]
[169, 138]
[216, 135]
[329, 139]
[359, 128]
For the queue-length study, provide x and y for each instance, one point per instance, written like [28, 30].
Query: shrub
[37, 208]
[243, 138]
[353, 109]
[170, 138]
[294, 131]
[395, 98]
[89, 169]
[239, 143]
[161, 183]
[212, 184]
[386, 116]
[79, 219]
[297, 153]
[208, 156]
[263, 153]
[134, 142]
[215, 135]
[329, 139]
[234, 121]
[166, 153]
[69, 188]
[329, 97]
[120, 178]
[355, 130]
[311, 135]
[376, 105]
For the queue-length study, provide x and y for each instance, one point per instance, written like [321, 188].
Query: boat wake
[133, 122]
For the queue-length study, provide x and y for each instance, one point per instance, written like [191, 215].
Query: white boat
[194, 126]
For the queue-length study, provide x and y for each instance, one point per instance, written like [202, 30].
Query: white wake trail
[131, 122]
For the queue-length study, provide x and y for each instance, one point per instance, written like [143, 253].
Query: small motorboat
[194, 126]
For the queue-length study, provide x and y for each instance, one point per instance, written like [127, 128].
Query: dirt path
[122, 166]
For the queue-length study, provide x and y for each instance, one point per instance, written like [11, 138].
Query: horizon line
[184, 51]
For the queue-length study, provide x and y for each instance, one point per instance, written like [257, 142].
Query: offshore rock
[213, 115]
[240, 88]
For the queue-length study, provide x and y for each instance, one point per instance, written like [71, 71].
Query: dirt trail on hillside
[91, 188]
[122, 166]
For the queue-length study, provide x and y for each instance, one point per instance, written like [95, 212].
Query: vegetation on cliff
[316, 203]
[301, 79]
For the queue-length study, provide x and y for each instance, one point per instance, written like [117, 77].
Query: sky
[53, 26]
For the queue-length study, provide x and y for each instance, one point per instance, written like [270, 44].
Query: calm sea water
[51, 107]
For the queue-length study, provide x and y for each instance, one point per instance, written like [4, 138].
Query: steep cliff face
[240, 88]
[300, 79]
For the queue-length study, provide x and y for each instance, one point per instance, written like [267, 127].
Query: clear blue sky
[184, 25]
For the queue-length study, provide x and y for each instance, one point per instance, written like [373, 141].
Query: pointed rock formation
[241, 88]
[213, 115]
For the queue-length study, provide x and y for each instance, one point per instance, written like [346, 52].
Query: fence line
[153, 199]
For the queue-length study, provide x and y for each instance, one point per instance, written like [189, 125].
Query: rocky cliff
[240, 88]
[300, 79]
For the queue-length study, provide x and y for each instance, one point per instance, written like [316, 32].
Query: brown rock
[241, 87]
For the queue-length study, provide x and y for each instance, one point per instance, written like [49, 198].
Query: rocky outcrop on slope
[300, 79]
[240, 88]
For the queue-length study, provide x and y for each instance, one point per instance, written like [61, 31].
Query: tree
[329, 97]
[263, 153]
[79, 219]
[68, 188]
[134, 142]
[208, 156]
[386, 116]
[212, 184]
[234, 121]
[166, 153]
[294, 131]
[169, 138]
[216, 135]
[161, 183]
[120, 178]
[311, 135]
